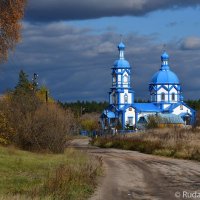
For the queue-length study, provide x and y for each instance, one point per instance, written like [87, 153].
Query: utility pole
[34, 82]
[46, 96]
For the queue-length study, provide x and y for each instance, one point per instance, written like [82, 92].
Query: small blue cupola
[121, 62]
[165, 60]
[121, 48]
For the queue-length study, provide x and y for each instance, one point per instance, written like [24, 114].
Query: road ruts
[133, 175]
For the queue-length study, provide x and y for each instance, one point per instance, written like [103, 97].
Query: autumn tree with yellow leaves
[11, 13]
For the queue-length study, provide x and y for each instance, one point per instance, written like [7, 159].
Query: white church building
[165, 92]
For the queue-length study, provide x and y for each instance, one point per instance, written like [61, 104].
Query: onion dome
[121, 62]
[164, 75]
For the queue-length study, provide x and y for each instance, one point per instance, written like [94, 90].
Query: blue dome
[121, 63]
[165, 77]
[164, 56]
[121, 46]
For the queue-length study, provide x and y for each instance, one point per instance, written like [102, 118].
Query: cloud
[190, 43]
[172, 24]
[75, 63]
[53, 10]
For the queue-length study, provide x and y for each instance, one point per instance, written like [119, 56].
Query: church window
[125, 98]
[130, 121]
[114, 97]
[125, 79]
[173, 96]
[163, 96]
[114, 78]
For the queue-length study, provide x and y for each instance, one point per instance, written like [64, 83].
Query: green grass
[26, 175]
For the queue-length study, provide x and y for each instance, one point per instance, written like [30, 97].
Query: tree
[30, 123]
[11, 12]
[23, 84]
[89, 122]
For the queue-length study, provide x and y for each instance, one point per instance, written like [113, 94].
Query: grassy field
[26, 175]
[177, 143]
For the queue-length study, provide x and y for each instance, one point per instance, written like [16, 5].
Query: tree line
[82, 107]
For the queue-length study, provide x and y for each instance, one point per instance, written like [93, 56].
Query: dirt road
[133, 175]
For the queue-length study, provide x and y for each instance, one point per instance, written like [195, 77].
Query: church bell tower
[121, 93]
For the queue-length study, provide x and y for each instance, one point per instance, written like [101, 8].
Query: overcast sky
[72, 45]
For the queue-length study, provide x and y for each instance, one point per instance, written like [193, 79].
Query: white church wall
[160, 91]
[121, 96]
[181, 109]
[122, 99]
[119, 78]
[129, 98]
[130, 112]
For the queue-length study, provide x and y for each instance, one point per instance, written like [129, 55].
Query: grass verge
[26, 175]
[177, 143]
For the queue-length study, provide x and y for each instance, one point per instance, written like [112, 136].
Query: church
[166, 98]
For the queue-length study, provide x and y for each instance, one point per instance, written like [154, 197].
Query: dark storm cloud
[75, 62]
[56, 10]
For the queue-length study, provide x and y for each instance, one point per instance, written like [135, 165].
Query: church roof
[121, 63]
[164, 75]
[164, 119]
[146, 107]
[170, 118]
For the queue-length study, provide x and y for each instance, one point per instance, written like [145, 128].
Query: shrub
[45, 130]
[152, 122]
[38, 126]
[89, 122]
[177, 142]
[6, 132]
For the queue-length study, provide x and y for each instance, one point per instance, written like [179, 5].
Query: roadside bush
[6, 132]
[45, 130]
[152, 122]
[37, 126]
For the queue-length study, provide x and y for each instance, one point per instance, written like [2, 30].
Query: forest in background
[82, 107]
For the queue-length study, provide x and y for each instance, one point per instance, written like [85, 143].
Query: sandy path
[133, 175]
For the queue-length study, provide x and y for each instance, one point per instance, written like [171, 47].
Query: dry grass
[172, 142]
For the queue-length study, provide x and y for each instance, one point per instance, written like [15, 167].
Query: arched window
[114, 78]
[162, 96]
[173, 96]
[114, 98]
[125, 79]
[125, 98]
